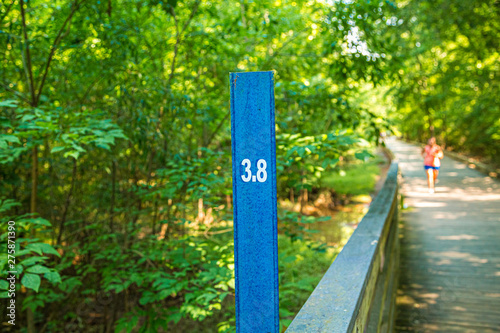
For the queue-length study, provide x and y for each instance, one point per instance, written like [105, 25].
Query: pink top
[432, 155]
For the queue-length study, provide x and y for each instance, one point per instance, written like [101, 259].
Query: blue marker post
[254, 195]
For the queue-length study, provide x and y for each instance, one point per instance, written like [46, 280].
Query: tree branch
[28, 68]
[179, 37]
[87, 92]
[212, 136]
[55, 45]
[7, 11]
[17, 93]
[270, 60]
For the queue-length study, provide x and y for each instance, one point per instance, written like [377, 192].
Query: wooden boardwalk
[450, 248]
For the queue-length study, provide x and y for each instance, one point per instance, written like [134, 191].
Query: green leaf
[36, 221]
[70, 283]
[363, 155]
[34, 247]
[39, 269]
[27, 117]
[146, 298]
[164, 283]
[132, 323]
[8, 204]
[4, 285]
[189, 297]
[127, 323]
[53, 277]
[31, 281]
[40, 221]
[10, 138]
[56, 149]
[175, 317]
[103, 146]
[48, 249]
[73, 154]
[32, 260]
[41, 248]
[9, 103]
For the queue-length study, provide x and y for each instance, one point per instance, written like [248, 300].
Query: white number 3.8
[261, 171]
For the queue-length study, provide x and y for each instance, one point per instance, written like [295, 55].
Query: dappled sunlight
[448, 215]
[494, 197]
[429, 204]
[457, 237]
[460, 166]
[414, 157]
[430, 295]
[405, 299]
[409, 167]
[444, 262]
[458, 255]
[416, 286]
[459, 308]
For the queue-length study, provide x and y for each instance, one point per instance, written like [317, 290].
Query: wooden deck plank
[445, 327]
[450, 249]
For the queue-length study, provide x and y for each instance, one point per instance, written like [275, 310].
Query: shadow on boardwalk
[450, 248]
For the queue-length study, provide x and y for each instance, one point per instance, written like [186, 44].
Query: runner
[432, 154]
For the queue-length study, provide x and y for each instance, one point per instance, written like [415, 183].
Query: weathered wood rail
[358, 292]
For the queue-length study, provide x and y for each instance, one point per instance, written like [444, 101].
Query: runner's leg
[436, 173]
[430, 178]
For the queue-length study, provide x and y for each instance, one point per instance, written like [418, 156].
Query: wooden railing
[357, 293]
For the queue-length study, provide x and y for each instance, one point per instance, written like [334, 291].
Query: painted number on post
[261, 175]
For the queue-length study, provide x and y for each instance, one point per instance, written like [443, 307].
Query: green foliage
[447, 82]
[197, 274]
[302, 264]
[355, 179]
[71, 133]
[29, 255]
[294, 225]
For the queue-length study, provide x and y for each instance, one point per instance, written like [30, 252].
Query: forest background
[115, 138]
